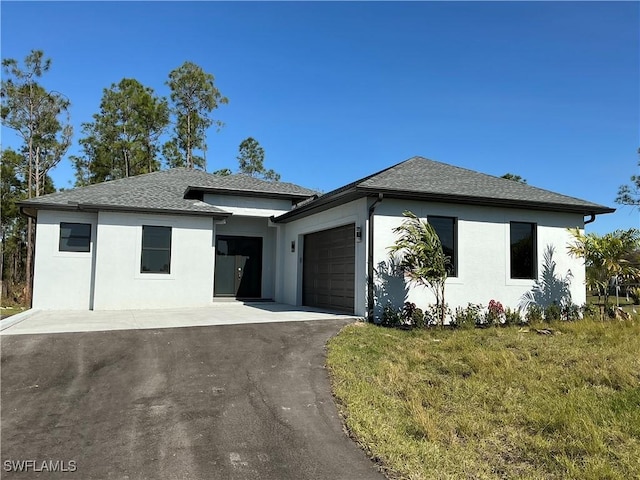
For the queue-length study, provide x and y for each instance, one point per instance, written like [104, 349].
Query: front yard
[493, 403]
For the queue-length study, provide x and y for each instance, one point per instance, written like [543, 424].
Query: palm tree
[422, 258]
[606, 257]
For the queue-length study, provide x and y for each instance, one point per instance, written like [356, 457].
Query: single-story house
[181, 237]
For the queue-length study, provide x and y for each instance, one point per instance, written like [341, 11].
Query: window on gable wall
[156, 249]
[446, 228]
[75, 237]
[523, 250]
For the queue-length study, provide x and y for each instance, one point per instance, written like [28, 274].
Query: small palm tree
[606, 257]
[421, 257]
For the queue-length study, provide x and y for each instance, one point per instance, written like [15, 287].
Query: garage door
[329, 269]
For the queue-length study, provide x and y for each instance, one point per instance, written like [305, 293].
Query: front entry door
[238, 269]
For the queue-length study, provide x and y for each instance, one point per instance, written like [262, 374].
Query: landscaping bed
[493, 403]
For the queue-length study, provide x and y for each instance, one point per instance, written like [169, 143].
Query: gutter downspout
[370, 299]
[591, 220]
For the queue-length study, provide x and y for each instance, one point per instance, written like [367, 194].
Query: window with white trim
[523, 262]
[447, 230]
[75, 237]
[156, 249]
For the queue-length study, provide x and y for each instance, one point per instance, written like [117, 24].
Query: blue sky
[335, 91]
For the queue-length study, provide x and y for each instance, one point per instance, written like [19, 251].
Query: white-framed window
[523, 247]
[447, 230]
[156, 249]
[75, 237]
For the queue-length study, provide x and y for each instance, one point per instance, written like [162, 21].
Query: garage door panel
[329, 269]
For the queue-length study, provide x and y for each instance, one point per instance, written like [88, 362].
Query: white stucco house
[181, 237]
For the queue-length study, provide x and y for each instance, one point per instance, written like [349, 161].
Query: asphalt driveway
[218, 402]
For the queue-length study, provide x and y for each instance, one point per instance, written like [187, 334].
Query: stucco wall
[62, 280]
[483, 253]
[248, 206]
[256, 227]
[119, 284]
[289, 279]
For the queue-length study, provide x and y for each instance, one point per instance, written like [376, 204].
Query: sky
[335, 91]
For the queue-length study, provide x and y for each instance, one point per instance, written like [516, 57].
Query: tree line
[124, 138]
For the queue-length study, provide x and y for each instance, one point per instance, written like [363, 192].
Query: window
[75, 237]
[523, 250]
[156, 249]
[446, 229]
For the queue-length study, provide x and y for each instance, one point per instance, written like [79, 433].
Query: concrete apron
[224, 313]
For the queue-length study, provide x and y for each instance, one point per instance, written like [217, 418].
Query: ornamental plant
[495, 313]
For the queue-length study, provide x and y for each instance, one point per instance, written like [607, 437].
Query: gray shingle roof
[162, 191]
[241, 183]
[421, 178]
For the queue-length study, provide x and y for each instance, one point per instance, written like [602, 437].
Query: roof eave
[245, 193]
[29, 209]
[489, 201]
[322, 203]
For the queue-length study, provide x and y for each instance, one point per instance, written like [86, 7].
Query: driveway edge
[17, 318]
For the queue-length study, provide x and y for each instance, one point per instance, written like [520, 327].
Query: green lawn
[8, 311]
[494, 403]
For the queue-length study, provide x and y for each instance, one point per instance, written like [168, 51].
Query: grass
[8, 311]
[493, 403]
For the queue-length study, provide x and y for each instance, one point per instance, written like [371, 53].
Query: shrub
[552, 313]
[570, 312]
[588, 310]
[391, 317]
[513, 317]
[467, 317]
[407, 311]
[434, 313]
[534, 313]
[417, 318]
[495, 314]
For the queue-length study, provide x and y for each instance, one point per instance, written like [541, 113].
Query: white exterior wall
[289, 282]
[248, 206]
[255, 227]
[483, 251]
[62, 280]
[119, 284]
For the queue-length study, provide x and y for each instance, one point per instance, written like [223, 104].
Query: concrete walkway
[223, 313]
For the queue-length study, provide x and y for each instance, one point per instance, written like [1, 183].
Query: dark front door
[238, 269]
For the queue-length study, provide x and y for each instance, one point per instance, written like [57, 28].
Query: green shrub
[432, 314]
[552, 313]
[467, 317]
[417, 318]
[589, 310]
[513, 317]
[391, 317]
[634, 293]
[534, 314]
